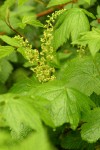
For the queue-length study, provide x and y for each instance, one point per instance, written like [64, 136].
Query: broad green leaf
[32, 21]
[82, 74]
[5, 70]
[10, 41]
[34, 141]
[92, 38]
[5, 51]
[66, 104]
[19, 114]
[13, 57]
[43, 106]
[90, 131]
[4, 137]
[74, 22]
[57, 2]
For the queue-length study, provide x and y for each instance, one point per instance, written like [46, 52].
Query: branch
[49, 11]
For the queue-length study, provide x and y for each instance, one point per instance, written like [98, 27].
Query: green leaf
[91, 129]
[23, 86]
[89, 14]
[31, 21]
[5, 51]
[92, 38]
[4, 137]
[42, 105]
[34, 141]
[74, 23]
[19, 114]
[5, 70]
[66, 104]
[82, 74]
[10, 41]
[57, 2]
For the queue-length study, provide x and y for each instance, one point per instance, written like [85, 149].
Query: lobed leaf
[66, 104]
[74, 23]
[82, 74]
[19, 114]
[92, 38]
[91, 129]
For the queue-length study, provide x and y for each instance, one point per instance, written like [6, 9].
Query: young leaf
[5, 51]
[57, 2]
[91, 129]
[66, 104]
[31, 21]
[74, 23]
[92, 38]
[10, 41]
[19, 114]
[82, 74]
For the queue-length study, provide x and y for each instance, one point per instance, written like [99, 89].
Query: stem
[10, 26]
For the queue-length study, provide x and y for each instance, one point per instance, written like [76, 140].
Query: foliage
[49, 75]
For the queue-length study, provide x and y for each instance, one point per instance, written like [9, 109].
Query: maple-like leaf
[19, 114]
[66, 104]
[70, 24]
[92, 38]
[91, 129]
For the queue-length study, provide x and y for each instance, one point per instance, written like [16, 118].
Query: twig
[10, 26]
[46, 12]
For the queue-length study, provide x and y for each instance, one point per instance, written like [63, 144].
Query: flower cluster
[44, 72]
[22, 42]
[32, 55]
